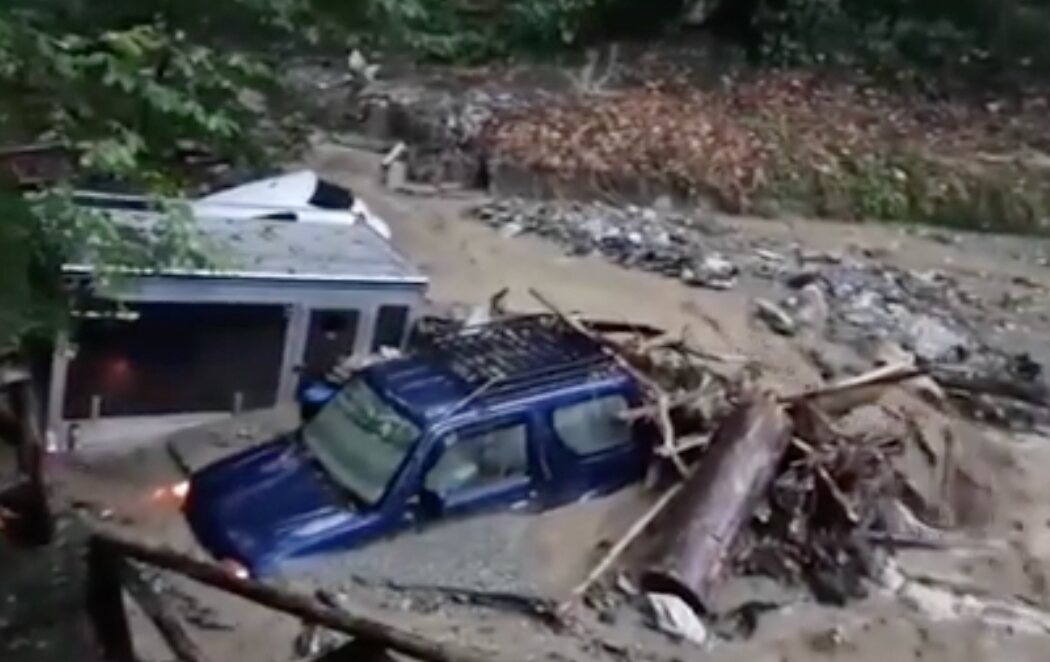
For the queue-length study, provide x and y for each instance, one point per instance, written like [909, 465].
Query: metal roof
[283, 250]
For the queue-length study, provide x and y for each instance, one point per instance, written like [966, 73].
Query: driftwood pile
[760, 482]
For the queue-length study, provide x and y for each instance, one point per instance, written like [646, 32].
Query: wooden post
[105, 603]
[717, 501]
[37, 525]
[300, 606]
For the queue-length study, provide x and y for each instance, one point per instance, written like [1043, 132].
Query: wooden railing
[114, 562]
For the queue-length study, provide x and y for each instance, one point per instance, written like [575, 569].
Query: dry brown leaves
[726, 143]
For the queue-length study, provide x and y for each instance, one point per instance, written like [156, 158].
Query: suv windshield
[360, 440]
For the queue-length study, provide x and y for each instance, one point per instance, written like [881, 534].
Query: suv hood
[263, 505]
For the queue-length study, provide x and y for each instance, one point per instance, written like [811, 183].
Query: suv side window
[592, 426]
[478, 460]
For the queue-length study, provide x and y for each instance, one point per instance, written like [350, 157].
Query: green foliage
[476, 30]
[126, 86]
[987, 39]
[902, 186]
[125, 98]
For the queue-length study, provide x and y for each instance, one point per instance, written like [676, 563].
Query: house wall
[207, 339]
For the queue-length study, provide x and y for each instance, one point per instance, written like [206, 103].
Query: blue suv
[521, 414]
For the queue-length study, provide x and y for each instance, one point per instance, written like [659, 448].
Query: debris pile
[848, 298]
[663, 241]
[867, 305]
[918, 311]
[785, 486]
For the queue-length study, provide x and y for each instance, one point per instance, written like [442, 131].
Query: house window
[478, 460]
[390, 327]
[594, 425]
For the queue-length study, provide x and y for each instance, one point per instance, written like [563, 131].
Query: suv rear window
[594, 425]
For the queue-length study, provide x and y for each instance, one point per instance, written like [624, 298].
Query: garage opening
[173, 358]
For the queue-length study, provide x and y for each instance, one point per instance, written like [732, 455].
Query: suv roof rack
[517, 353]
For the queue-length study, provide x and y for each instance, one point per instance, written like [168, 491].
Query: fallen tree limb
[717, 500]
[857, 391]
[626, 539]
[1032, 393]
[652, 410]
[167, 623]
[301, 606]
[687, 443]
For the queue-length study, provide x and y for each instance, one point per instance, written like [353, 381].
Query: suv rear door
[595, 450]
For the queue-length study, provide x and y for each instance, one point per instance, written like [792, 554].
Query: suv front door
[483, 467]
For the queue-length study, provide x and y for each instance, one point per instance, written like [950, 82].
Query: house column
[296, 327]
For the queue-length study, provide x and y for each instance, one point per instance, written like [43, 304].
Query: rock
[664, 204]
[673, 616]
[932, 340]
[828, 640]
[891, 578]
[800, 279]
[395, 175]
[625, 585]
[775, 317]
[812, 307]
[819, 257]
[511, 230]
[714, 271]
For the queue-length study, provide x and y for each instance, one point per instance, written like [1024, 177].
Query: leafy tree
[126, 92]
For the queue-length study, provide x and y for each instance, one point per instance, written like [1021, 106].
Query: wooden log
[105, 603]
[717, 500]
[168, 624]
[298, 605]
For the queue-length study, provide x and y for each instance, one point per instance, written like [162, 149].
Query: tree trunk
[717, 500]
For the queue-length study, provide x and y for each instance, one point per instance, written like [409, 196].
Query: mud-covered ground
[467, 260]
